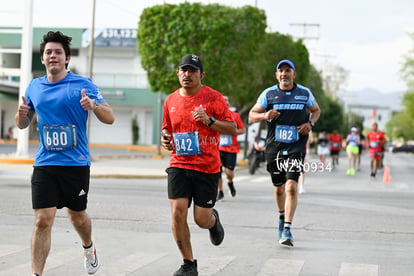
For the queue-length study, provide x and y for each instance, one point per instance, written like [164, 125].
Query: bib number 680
[54, 138]
[59, 137]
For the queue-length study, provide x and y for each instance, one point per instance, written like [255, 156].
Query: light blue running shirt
[62, 121]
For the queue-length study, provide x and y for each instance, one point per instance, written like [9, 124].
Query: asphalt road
[344, 225]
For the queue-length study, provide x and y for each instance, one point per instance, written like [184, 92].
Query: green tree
[408, 66]
[353, 120]
[225, 38]
[401, 125]
[239, 56]
[272, 48]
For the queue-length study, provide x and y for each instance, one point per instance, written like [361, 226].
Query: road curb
[128, 176]
[16, 161]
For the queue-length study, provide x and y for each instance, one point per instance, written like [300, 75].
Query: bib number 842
[183, 145]
[186, 143]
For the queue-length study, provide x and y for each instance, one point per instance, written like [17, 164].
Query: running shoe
[286, 238]
[373, 175]
[352, 171]
[232, 191]
[217, 231]
[301, 189]
[281, 227]
[348, 171]
[91, 259]
[220, 195]
[187, 269]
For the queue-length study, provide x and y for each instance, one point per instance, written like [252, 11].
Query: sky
[368, 38]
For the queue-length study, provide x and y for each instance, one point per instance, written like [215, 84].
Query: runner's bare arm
[225, 127]
[24, 115]
[258, 113]
[315, 111]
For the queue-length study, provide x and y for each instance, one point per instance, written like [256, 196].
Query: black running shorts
[60, 186]
[282, 168]
[228, 160]
[194, 185]
[334, 152]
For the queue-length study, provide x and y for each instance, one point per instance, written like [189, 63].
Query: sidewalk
[108, 161]
[108, 168]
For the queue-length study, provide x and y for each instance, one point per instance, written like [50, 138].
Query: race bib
[373, 144]
[287, 134]
[187, 143]
[59, 137]
[226, 140]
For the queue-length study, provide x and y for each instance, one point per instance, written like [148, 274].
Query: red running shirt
[335, 141]
[229, 143]
[374, 139]
[195, 144]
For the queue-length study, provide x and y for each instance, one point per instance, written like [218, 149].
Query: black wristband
[311, 123]
[212, 121]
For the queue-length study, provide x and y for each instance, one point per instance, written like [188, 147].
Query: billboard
[111, 37]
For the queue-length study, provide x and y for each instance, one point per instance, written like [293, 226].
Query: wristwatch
[96, 105]
[311, 123]
[212, 121]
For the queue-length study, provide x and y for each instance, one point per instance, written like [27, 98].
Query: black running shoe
[220, 195]
[217, 231]
[188, 268]
[232, 190]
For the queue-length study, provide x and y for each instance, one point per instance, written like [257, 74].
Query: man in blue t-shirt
[285, 108]
[61, 101]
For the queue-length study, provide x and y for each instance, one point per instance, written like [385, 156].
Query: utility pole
[25, 73]
[159, 124]
[92, 41]
[314, 27]
[91, 53]
[306, 26]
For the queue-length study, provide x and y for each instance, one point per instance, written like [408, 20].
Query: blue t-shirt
[352, 140]
[62, 122]
[283, 137]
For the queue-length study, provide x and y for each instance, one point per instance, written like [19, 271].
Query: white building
[117, 72]
[372, 105]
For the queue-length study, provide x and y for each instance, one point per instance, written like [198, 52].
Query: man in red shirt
[194, 117]
[335, 142]
[375, 141]
[229, 147]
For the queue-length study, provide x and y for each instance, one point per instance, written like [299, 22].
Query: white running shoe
[91, 260]
[301, 189]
